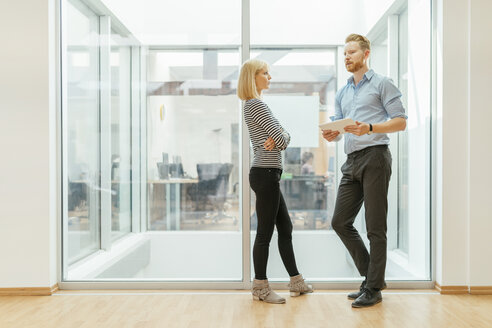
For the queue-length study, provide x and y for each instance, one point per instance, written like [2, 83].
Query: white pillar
[463, 207]
[480, 149]
[28, 132]
[452, 146]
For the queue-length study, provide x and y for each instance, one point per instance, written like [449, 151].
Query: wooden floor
[400, 309]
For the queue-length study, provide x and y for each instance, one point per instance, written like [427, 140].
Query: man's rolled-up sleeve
[391, 99]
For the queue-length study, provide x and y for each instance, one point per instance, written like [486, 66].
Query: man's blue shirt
[375, 99]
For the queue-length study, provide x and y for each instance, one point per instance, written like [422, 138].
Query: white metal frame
[63, 127]
[244, 195]
[433, 135]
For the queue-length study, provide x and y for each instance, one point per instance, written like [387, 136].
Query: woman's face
[262, 80]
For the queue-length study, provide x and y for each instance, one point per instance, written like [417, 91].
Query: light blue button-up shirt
[375, 99]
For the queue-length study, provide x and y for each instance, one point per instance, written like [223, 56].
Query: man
[374, 103]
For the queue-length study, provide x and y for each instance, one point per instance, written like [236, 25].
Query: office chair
[220, 197]
[212, 189]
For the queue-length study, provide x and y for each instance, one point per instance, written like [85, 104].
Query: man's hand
[359, 129]
[330, 135]
[269, 144]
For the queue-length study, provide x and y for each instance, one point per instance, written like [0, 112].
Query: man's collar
[368, 75]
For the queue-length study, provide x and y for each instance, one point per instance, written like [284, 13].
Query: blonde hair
[363, 42]
[246, 85]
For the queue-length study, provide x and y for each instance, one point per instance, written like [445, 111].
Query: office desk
[173, 190]
[307, 197]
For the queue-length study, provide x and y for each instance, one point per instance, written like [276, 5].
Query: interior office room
[125, 198]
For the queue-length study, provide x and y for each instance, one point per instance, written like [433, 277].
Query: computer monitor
[165, 158]
[163, 170]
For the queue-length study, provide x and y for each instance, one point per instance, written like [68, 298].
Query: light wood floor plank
[399, 309]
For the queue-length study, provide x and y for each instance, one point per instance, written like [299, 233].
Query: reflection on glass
[83, 132]
[193, 141]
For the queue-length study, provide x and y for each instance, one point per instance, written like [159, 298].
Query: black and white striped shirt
[261, 125]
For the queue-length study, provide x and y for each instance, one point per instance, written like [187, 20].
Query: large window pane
[193, 162]
[303, 85]
[184, 22]
[325, 22]
[120, 138]
[403, 140]
[393, 55]
[82, 131]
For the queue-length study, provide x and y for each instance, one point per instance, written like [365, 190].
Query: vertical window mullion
[244, 154]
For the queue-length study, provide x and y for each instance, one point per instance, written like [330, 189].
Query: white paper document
[337, 125]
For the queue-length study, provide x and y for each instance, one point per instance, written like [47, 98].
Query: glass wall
[403, 170]
[395, 49]
[120, 137]
[82, 120]
[153, 126]
[193, 141]
[193, 162]
[303, 86]
[96, 113]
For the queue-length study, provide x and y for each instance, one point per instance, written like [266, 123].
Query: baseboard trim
[54, 289]
[29, 291]
[452, 290]
[481, 290]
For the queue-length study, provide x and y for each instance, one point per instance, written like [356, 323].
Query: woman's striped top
[261, 125]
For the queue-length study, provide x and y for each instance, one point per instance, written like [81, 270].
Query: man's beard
[355, 66]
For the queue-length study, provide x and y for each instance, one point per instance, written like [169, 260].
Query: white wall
[480, 116]
[27, 132]
[452, 157]
[418, 136]
[463, 219]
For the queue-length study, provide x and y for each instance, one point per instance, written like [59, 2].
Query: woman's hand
[330, 135]
[269, 144]
[359, 129]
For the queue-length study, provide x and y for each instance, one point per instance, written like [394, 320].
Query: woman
[307, 163]
[268, 139]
